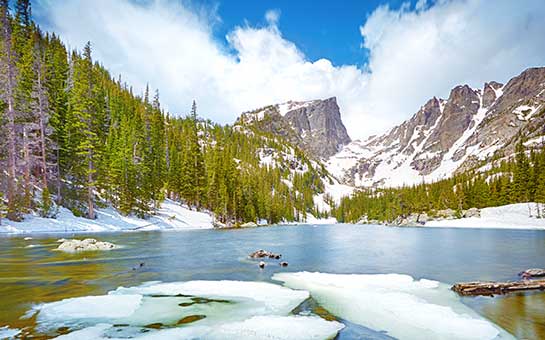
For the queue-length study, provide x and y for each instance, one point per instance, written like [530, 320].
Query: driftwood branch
[497, 288]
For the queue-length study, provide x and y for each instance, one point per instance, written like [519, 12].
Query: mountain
[314, 126]
[448, 136]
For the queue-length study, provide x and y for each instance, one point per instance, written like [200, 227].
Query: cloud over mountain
[415, 52]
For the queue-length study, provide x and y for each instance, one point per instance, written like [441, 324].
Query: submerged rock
[88, 244]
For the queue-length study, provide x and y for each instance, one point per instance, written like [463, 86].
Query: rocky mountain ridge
[449, 135]
[314, 126]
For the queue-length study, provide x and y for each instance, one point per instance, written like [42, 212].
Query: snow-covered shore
[512, 216]
[171, 216]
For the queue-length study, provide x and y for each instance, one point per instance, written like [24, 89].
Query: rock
[88, 244]
[28, 238]
[472, 212]
[283, 264]
[314, 126]
[446, 214]
[363, 220]
[533, 272]
[61, 240]
[261, 264]
[423, 218]
[259, 254]
[248, 225]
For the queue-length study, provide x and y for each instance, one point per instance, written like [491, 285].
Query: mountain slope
[447, 136]
[314, 126]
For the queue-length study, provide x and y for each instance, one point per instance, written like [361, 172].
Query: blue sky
[320, 28]
[381, 59]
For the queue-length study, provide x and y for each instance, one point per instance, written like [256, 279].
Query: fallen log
[497, 288]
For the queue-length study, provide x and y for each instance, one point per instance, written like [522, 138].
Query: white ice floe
[403, 307]
[90, 307]
[171, 216]
[512, 216]
[255, 328]
[8, 333]
[194, 310]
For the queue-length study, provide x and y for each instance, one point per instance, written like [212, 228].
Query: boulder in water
[259, 254]
[88, 244]
[533, 272]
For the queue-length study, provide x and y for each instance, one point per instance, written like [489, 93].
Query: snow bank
[403, 307]
[187, 310]
[512, 216]
[171, 216]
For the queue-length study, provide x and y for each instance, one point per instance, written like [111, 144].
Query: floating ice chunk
[188, 310]
[89, 307]
[278, 327]
[405, 308]
[274, 298]
[8, 333]
[255, 328]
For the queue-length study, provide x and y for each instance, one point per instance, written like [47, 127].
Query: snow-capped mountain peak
[448, 135]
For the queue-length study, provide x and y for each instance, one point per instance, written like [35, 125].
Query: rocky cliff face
[315, 126]
[446, 136]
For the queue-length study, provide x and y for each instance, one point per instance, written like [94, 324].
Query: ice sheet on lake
[181, 310]
[403, 307]
[255, 328]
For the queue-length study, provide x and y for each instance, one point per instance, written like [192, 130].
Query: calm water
[30, 275]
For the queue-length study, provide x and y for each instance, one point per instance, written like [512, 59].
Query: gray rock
[533, 272]
[88, 244]
[423, 218]
[472, 212]
[248, 225]
[259, 254]
[446, 214]
[314, 126]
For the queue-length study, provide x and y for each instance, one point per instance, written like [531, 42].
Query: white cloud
[414, 54]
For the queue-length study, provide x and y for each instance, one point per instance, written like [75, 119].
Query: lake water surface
[31, 273]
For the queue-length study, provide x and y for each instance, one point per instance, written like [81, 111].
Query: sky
[381, 59]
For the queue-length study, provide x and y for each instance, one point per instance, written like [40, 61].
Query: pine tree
[9, 76]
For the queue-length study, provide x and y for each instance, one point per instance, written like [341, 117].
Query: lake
[31, 273]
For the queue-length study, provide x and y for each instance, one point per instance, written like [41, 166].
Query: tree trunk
[26, 155]
[12, 147]
[90, 187]
[41, 113]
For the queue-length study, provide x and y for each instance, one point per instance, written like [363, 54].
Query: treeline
[76, 137]
[516, 180]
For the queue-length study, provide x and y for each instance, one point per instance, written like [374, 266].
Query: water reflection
[30, 275]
